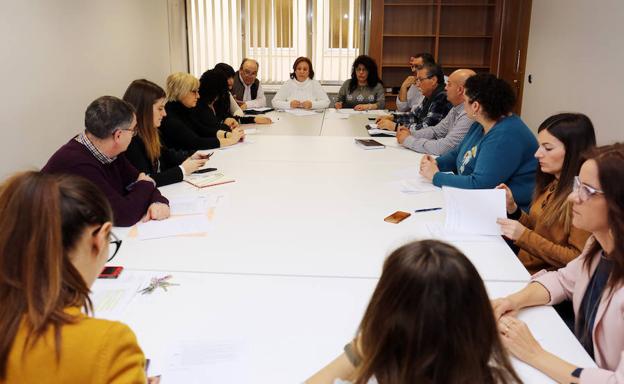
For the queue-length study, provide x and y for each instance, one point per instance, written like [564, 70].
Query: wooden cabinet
[458, 33]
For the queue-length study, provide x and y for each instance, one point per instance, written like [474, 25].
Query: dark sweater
[112, 179]
[207, 118]
[222, 108]
[181, 130]
[169, 162]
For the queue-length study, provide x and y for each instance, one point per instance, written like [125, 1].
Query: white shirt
[259, 101]
[308, 90]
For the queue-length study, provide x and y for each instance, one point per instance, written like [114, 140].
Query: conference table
[279, 280]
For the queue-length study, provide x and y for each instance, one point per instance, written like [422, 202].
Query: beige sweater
[547, 246]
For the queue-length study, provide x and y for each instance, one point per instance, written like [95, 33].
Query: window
[276, 32]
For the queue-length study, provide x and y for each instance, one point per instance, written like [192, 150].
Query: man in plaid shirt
[435, 106]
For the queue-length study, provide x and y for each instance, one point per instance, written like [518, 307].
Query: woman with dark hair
[364, 90]
[429, 321]
[498, 147]
[301, 91]
[546, 237]
[594, 281]
[212, 88]
[180, 129]
[227, 108]
[55, 237]
[145, 152]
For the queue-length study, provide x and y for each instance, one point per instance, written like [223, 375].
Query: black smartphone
[204, 170]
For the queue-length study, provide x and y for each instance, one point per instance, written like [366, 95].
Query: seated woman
[301, 91]
[429, 321]
[55, 234]
[165, 166]
[213, 86]
[180, 129]
[227, 108]
[593, 281]
[546, 237]
[498, 147]
[364, 90]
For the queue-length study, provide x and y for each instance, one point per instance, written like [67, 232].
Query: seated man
[409, 95]
[97, 155]
[246, 89]
[448, 133]
[431, 111]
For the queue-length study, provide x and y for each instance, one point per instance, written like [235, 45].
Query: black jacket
[181, 129]
[168, 163]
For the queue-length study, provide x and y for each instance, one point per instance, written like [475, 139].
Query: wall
[58, 56]
[576, 54]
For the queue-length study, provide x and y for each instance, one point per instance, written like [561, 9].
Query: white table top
[278, 329]
[279, 284]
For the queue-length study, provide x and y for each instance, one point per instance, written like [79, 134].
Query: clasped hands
[301, 104]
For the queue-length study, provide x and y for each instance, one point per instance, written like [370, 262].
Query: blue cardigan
[504, 155]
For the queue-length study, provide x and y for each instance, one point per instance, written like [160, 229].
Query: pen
[427, 209]
[131, 185]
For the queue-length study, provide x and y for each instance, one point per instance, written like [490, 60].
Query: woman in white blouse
[301, 91]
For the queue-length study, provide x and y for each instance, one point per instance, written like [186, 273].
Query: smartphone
[397, 217]
[110, 272]
[372, 118]
[204, 170]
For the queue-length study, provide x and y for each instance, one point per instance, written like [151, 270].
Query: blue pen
[428, 209]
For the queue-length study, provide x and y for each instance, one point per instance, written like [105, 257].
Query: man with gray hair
[246, 89]
[97, 155]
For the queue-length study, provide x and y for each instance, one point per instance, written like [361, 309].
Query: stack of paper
[301, 112]
[474, 211]
[174, 226]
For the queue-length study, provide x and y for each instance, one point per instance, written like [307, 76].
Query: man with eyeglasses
[97, 154]
[410, 96]
[434, 107]
[246, 89]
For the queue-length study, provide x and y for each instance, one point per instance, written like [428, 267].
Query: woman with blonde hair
[181, 129]
[165, 166]
[55, 237]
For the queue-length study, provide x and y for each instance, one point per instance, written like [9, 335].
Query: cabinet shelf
[466, 36]
[407, 35]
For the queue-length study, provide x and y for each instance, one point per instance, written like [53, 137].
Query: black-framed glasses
[112, 251]
[133, 132]
[584, 192]
[421, 79]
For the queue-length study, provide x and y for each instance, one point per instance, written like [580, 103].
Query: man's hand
[384, 117]
[386, 124]
[402, 134]
[144, 177]
[156, 211]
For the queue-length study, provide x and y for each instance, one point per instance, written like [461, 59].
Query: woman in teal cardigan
[498, 148]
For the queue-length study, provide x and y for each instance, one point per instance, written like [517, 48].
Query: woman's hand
[503, 306]
[191, 165]
[295, 104]
[428, 167]
[230, 122]
[338, 105]
[509, 200]
[362, 107]
[306, 104]
[519, 340]
[511, 229]
[262, 120]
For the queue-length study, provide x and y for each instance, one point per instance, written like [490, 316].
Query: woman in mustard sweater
[55, 232]
[546, 237]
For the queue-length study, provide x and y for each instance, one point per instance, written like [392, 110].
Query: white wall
[58, 56]
[576, 57]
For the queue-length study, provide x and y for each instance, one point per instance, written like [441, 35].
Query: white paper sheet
[206, 361]
[335, 115]
[473, 211]
[174, 226]
[192, 205]
[301, 112]
[259, 109]
[437, 231]
[111, 297]
[375, 131]
[249, 131]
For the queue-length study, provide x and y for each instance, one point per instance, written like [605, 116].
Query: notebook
[369, 144]
[207, 179]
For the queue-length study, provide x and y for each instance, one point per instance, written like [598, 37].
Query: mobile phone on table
[204, 170]
[110, 272]
[397, 217]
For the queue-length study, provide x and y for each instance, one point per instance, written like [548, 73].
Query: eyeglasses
[132, 131]
[250, 73]
[416, 67]
[421, 79]
[112, 251]
[584, 192]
